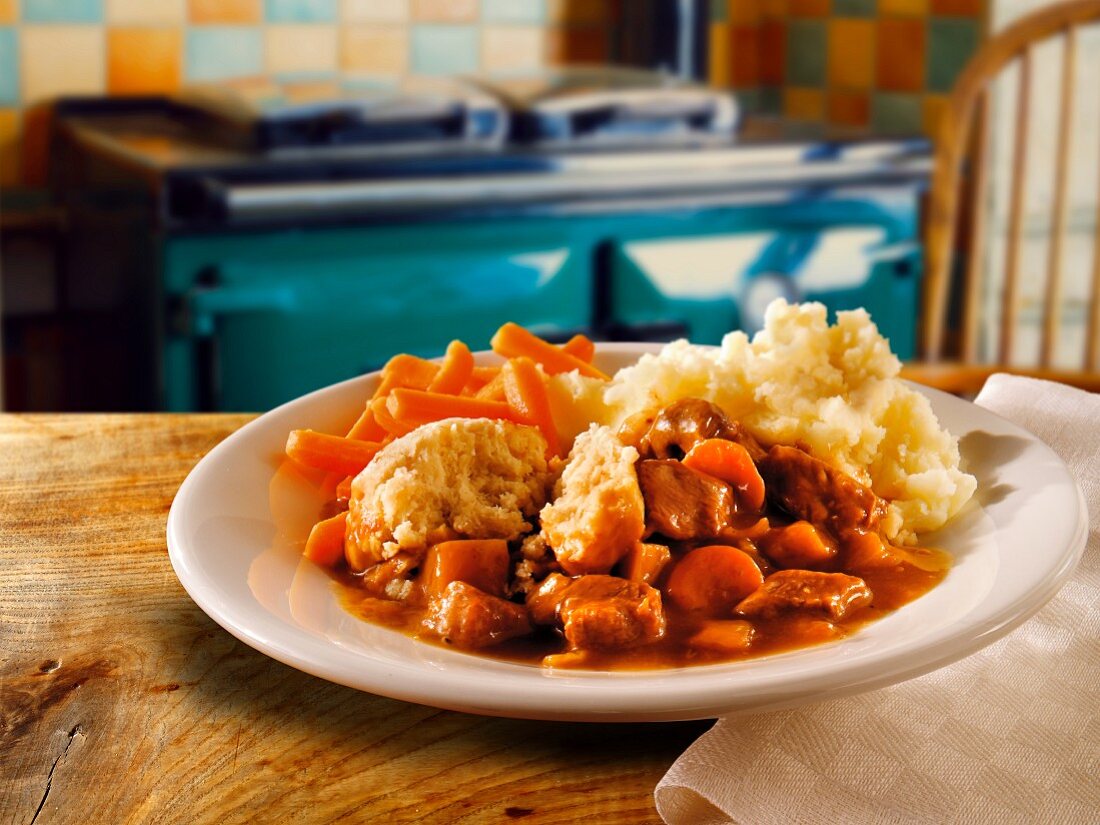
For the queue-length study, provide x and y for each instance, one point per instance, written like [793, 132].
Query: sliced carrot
[480, 562]
[345, 456]
[494, 390]
[799, 545]
[325, 545]
[724, 636]
[730, 462]
[513, 341]
[526, 394]
[386, 421]
[644, 562]
[415, 407]
[406, 371]
[580, 346]
[366, 428]
[343, 489]
[713, 579]
[455, 371]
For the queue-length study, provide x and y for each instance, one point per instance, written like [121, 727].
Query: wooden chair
[968, 112]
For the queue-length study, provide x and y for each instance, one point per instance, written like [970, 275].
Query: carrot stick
[494, 390]
[580, 346]
[513, 341]
[526, 394]
[366, 428]
[343, 489]
[406, 371]
[414, 407]
[386, 421]
[325, 545]
[456, 370]
[479, 377]
[345, 456]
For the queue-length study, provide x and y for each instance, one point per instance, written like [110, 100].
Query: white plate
[238, 523]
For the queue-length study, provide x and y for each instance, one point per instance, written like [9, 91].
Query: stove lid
[288, 113]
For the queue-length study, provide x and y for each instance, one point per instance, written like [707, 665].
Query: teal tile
[221, 52]
[63, 11]
[9, 66]
[300, 11]
[894, 112]
[444, 49]
[770, 100]
[951, 42]
[806, 53]
[854, 8]
[513, 11]
[749, 101]
[720, 10]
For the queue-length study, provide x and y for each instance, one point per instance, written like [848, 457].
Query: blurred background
[222, 204]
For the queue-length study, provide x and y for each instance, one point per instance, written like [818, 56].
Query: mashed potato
[833, 389]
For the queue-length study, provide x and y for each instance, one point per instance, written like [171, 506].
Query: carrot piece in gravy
[325, 545]
[799, 545]
[513, 341]
[480, 562]
[713, 579]
[644, 562]
[526, 394]
[730, 462]
[343, 456]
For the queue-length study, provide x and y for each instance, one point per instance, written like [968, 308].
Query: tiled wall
[53, 47]
[884, 64]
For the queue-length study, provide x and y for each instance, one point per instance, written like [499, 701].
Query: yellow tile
[374, 11]
[851, 59]
[719, 56]
[803, 104]
[147, 12]
[295, 47]
[57, 60]
[506, 48]
[9, 147]
[902, 8]
[9, 11]
[932, 109]
[745, 12]
[144, 60]
[376, 50]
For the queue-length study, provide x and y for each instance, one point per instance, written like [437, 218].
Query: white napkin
[1008, 735]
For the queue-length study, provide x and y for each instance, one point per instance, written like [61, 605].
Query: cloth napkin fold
[1008, 735]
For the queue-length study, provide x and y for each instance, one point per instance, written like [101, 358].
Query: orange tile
[745, 12]
[380, 50]
[932, 109]
[508, 48]
[718, 56]
[225, 11]
[143, 60]
[9, 11]
[576, 45]
[851, 53]
[803, 104]
[773, 8]
[580, 12]
[902, 50]
[445, 11]
[10, 173]
[745, 47]
[808, 8]
[773, 51]
[848, 108]
[957, 8]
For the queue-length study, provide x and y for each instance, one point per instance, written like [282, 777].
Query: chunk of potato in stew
[746, 551]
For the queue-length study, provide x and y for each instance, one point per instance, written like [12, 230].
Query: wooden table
[120, 701]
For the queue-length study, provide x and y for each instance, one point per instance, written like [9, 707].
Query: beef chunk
[599, 611]
[822, 495]
[683, 424]
[832, 595]
[471, 618]
[681, 503]
[543, 601]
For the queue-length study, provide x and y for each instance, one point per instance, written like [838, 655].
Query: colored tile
[893, 112]
[9, 11]
[854, 8]
[745, 54]
[958, 8]
[300, 11]
[9, 66]
[9, 147]
[851, 53]
[808, 8]
[445, 11]
[144, 60]
[902, 8]
[580, 12]
[221, 52]
[746, 12]
[63, 11]
[773, 50]
[375, 50]
[510, 48]
[290, 47]
[803, 104]
[805, 52]
[225, 11]
[718, 10]
[932, 110]
[513, 11]
[576, 45]
[769, 100]
[902, 46]
[43, 75]
[773, 8]
[718, 55]
[749, 101]
[951, 43]
[146, 12]
[441, 49]
[848, 108]
[374, 11]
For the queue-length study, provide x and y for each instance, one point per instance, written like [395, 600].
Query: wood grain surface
[121, 702]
